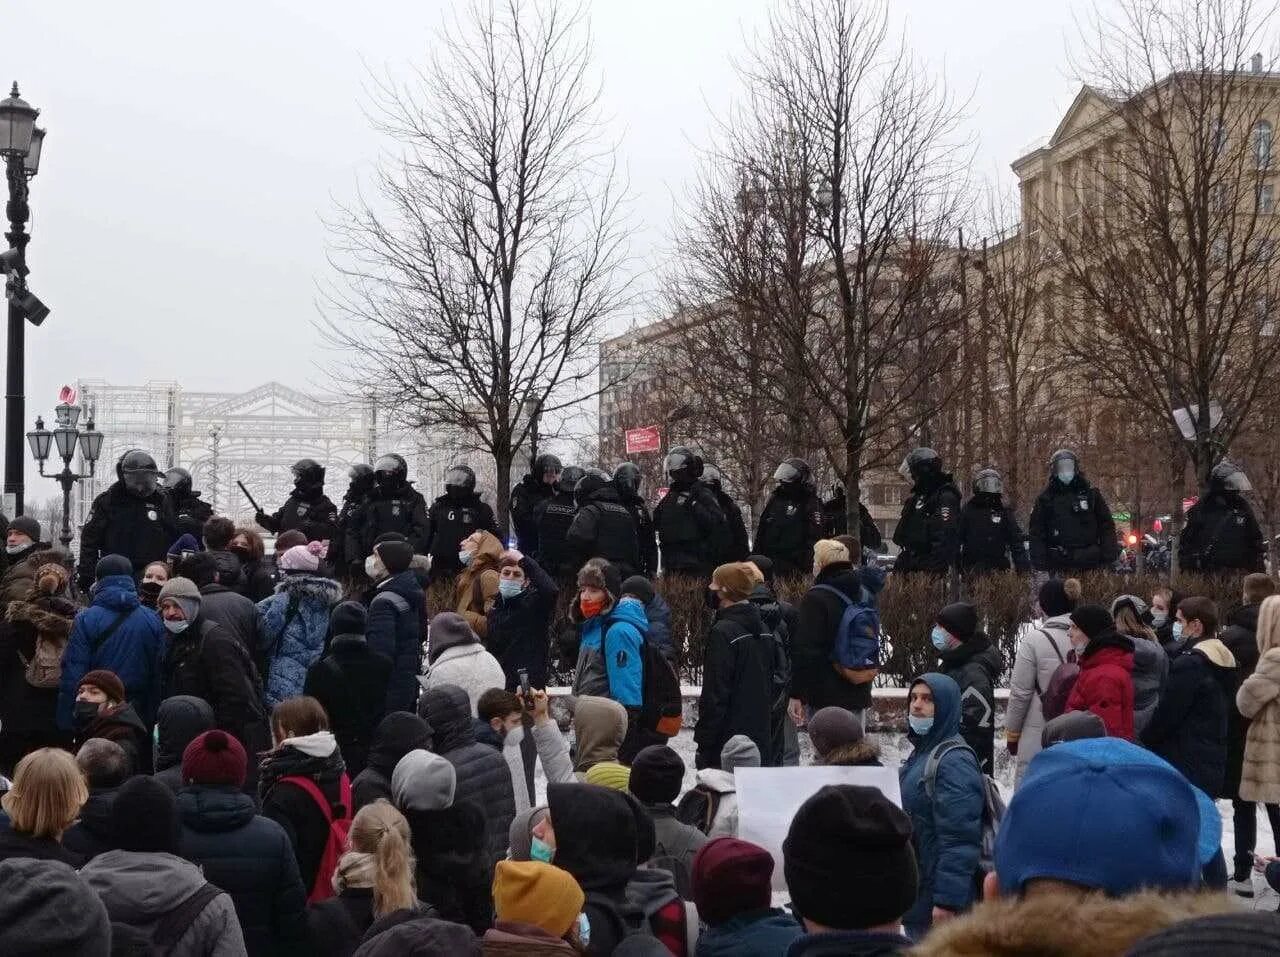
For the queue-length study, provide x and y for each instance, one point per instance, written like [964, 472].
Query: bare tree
[474, 292]
[1164, 233]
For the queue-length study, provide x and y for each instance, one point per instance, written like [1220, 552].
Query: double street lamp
[21, 143]
[67, 437]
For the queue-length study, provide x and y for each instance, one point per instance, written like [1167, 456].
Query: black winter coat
[351, 682]
[121, 523]
[975, 666]
[125, 728]
[1222, 535]
[295, 810]
[92, 835]
[526, 498]
[483, 776]
[1189, 727]
[15, 844]
[205, 661]
[835, 515]
[451, 519]
[1241, 638]
[235, 614]
[250, 858]
[814, 679]
[399, 509]
[455, 871]
[732, 544]
[396, 633]
[737, 685]
[553, 518]
[397, 734]
[646, 534]
[789, 526]
[191, 512]
[991, 540]
[338, 925]
[308, 510]
[603, 528]
[688, 520]
[179, 721]
[518, 627]
[1071, 528]
[28, 715]
[929, 530]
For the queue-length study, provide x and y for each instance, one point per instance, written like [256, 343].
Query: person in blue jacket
[656, 611]
[947, 826]
[610, 661]
[115, 633]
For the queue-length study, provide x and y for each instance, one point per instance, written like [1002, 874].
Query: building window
[1266, 198]
[1262, 143]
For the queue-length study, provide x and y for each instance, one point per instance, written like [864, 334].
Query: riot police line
[562, 515]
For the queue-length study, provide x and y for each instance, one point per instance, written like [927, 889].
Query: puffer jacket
[610, 663]
[947, 829]
[1189, 728]
[465, 664]
[292, 625]
[476, 589]
[1105, 685]
[133, 651]
[756, 933]
[1259, 702]
[396, 735]
[180, 720]
[454, 872]
[1040, 651]
[1241, 638]
[235, 613]
[482, 775]
[250, 858]
[518, 627]
[1150, 673]
[396, 632]
[139, 889]
[975, 666]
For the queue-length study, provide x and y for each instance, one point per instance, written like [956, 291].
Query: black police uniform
[191, 512]
[688, 520]
[393, 507]
[553, 519]
[990, 537]
[789, 526]
[1222, 535]
[141, 528]
[928, 530]
[340, 553]
[1071, 528]
[732, 544]
[836, 521]
[307, 509]
[603, 528]
[451, 518]
[526, 498]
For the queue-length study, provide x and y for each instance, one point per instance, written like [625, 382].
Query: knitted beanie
[111, 565]
[47, 909]
[639, 587]
[833, 727]
[394, 555]
[531, 892]
[29, 527]
[105, 681]
[184, 592]
[144, 817]
[1054, 598]
[610, 774]
[423, 781]
[829, 552]
[1093, 620]
[214, 759]
[656, 775]
[739, 752]
[960, 620]
[348, 618]
[303, 558]
[1223, 935]
[731, 877]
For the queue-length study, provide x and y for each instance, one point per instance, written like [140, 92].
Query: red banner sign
[647, 439]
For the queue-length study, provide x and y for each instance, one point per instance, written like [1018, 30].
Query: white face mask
[176, 627]
[15, 549]
[374, 568]
[465, 557]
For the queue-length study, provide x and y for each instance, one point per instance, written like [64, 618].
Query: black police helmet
[793, 472]
[544, 464]
[591, 482]
[626, 478]
[308, 472]
[460, 477]
[570, 475]
[682, 465]
[178, 481]
[920, 462]
[392, 467]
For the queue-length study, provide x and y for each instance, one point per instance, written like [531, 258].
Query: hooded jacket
[1258, 700]
[813, 679]
[518, 627]
[396, 735]
[123, 726]
[1150, 672]
[947, 829]
[1189, 728]
[351, 682]
[180, 721]
[292, 626]
[1105, 685]
[396, 632]
[737, 684]
[476, 589]
[462, 660]
[133, 651]
[483, 778]
[1040, 651]
[599, 726]
[250, 858]
[315, 756]
[610, 659]
[139, 889]
[975, 666]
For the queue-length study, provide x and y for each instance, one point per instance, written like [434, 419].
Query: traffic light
[1132, 539]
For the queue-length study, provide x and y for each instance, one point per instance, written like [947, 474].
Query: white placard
[768, 799]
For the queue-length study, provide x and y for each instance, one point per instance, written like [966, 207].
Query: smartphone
[525, 693]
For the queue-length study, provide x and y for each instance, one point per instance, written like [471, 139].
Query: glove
[260, 517]
[1011, 741]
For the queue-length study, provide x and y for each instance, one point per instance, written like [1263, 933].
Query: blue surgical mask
[941, 640]
[510, 589]
[1159, 618]
[1177, 631]
[176, 627]
[1066, 475]
[465, 558]
[584, 931]
[540, 850]
[920, 726]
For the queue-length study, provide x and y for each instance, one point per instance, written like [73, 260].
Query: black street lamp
[21, 143]
[66, 436]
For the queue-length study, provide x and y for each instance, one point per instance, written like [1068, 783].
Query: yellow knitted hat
[610, 774]
[531, 892]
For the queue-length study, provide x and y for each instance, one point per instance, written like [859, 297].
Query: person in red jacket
[1105, 685]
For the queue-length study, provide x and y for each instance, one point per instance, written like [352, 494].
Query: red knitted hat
[214, 759]
[731, 877]
[105, 681]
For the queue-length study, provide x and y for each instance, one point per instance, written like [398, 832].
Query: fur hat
[829, 552]
[601, 574]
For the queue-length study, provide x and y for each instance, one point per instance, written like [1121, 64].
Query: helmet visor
[387, 464]
[677, 461]
[988, 482]
[1237, 481]
[457, 476]
[786, 473]
[141, 481]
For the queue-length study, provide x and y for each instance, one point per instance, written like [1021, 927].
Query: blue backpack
[855, 654]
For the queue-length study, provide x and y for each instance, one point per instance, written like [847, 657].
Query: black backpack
[698, 808]
[661, 707]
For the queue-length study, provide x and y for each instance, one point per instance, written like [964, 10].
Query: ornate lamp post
[21, 144]
[66, 436]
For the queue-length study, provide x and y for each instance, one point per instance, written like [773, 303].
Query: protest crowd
[208, 748]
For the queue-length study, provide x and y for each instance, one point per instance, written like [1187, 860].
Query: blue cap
[1101, 813]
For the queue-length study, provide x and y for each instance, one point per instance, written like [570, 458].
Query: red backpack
[339, 827]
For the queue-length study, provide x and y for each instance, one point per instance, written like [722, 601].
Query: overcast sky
[193, 151]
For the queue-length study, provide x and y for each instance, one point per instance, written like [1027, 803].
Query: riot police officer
[534, 489]
[133, 518]
[731, 543]
[791, 521]
[307, 508]
[454, 516]
[928, 530]
[603, 527]
[1222, 534]
[359, 484]
[835, 517]
[990, 538]
[1071, 527]
[189, 509]
[392, 505]
[688, 518]
[626, 479]
[553, 518]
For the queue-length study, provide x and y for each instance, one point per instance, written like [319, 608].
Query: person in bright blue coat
[610, 659]
[947, 827]
[293, 623]
[115, 633]
[657, 611]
